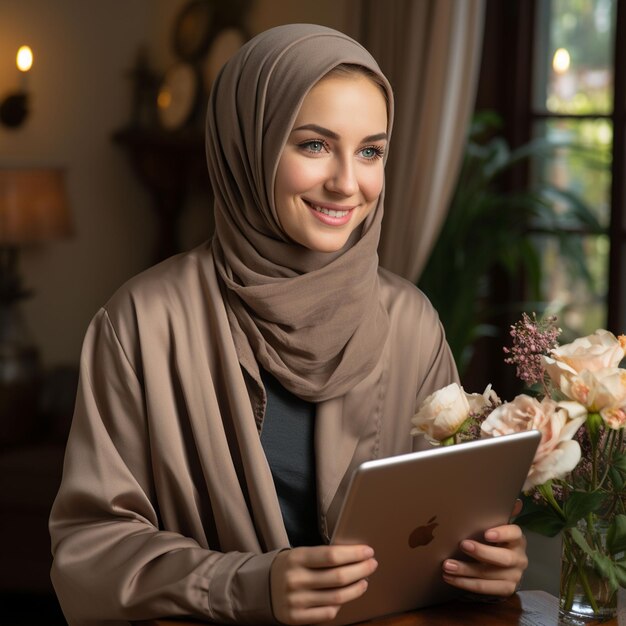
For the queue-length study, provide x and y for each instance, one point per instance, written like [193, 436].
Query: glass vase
[585, 594]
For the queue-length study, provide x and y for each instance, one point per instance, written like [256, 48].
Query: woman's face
[330, 172]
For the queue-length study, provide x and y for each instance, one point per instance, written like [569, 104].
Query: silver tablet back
[415, 509]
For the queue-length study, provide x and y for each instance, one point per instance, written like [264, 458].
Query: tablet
[415, 509]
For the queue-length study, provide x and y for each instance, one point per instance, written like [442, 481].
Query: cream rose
[593, 352]
[614, 418]
[559, 372]
[558, 422]
[597, 390]
[443, 412]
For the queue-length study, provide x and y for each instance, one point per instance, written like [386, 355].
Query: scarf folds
[314, 320]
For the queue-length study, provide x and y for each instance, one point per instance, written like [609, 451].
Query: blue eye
[372, 152]
[315, 146]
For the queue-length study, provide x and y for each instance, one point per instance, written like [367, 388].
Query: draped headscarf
[314, 320]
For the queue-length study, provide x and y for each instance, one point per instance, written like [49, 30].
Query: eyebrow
[333, 135]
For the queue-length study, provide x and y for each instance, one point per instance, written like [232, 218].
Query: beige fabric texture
[167, 505]
[313, 320]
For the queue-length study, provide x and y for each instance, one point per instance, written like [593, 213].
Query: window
[577, 100]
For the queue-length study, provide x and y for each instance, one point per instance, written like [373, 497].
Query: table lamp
[33, 209]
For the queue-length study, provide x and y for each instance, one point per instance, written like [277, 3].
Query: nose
[342, 178]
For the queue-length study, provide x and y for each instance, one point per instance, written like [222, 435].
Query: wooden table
[526, 608]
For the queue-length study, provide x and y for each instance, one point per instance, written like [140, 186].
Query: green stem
[548, 494]
[577, 559]
[610, 444]
[594, 470]
[619, 500]
[570, 586]
[585, 584]
[591, 538]
[609, 450]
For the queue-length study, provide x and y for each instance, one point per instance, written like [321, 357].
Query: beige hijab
[313, 320]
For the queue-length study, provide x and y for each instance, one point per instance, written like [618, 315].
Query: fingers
[509, 533]
[483, 586]
[509, 565]
[330, 556]
[311, 584]
[482, 578]
[313, 607]
[493, 569]
[508, 552]
[308, 570]
[324, 567]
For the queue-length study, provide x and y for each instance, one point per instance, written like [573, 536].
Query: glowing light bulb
[24, 59]
[561, 61]
[164, 99]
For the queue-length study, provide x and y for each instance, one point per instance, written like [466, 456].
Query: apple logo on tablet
[423, 535]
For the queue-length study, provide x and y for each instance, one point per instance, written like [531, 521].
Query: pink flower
[558, 422]
[532, 339]
[444, 412]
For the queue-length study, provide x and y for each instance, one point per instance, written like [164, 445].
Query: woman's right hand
[310, 584]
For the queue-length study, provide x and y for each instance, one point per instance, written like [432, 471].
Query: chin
[334, 244]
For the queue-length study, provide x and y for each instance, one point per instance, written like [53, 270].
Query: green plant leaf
[620, 572]
[616, 535]
[486, 230]
[579, 504]
[606, 568]
[577, 210]
[617, 478]
[619, 462]
[544, 521]
[580, 540]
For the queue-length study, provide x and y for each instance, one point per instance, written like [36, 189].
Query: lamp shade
[33, 206]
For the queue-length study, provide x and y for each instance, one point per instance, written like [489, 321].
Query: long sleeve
[440, 372]
[113, 562]
[439, 368]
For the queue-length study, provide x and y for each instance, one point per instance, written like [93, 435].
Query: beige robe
[167, 505]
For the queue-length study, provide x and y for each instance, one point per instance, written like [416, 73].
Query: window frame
[616, 300]
[616, 292]
[506, 87]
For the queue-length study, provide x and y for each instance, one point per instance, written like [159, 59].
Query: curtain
[430, 51]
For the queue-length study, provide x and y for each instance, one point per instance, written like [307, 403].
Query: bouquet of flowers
[577, 482]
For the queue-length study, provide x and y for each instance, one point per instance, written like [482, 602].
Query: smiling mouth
[329, 212]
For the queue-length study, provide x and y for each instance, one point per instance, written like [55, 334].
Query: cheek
[295, 175]
[371, 182]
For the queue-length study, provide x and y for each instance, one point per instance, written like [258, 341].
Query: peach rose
[597, 390]
[614, 418]
[560, 373]
[443, 412]
[593, 352]
[558, 422]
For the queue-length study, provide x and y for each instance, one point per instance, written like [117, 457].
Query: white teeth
[330, 212]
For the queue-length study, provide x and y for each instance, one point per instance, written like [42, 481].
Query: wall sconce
[14, 108]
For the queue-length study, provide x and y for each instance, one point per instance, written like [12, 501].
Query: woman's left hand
[496, 567]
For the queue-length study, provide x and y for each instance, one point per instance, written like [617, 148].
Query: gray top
[287, 439]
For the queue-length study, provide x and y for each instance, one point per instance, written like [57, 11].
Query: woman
[227, 394]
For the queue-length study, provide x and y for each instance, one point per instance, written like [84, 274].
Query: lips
[330, 214]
